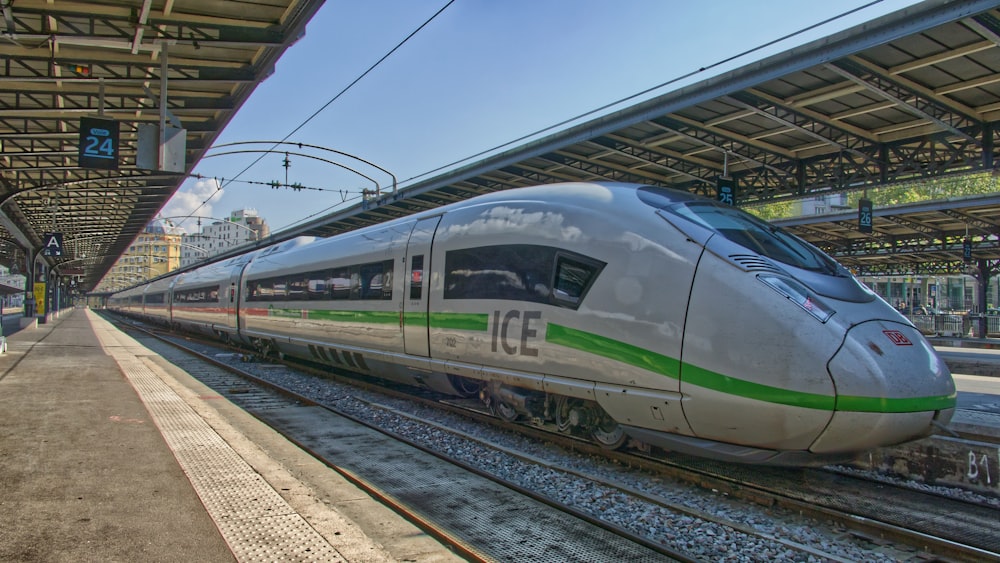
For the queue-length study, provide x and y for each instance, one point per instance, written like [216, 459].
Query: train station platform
[109, 453]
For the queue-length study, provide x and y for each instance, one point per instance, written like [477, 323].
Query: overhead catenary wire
[647, 90]
[331, 100]
[548, 128]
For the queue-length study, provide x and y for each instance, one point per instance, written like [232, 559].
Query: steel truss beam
[910, 97]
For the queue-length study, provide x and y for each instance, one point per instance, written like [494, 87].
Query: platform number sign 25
[98, 143]
[725, 190]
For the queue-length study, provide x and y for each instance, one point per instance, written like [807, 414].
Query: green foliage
[889, 195]
[773, 211]
[930, 189]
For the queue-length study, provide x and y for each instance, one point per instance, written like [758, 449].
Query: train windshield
[765, 239]
[745, 230]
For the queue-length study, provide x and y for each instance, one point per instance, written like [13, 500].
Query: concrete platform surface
[109, 453]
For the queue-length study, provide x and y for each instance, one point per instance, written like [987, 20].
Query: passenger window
[340, 282]
[355, 282]
[519, 272]
[317, 285]
[298, 288]
[573, 278]
[371, 281]
[417, 277]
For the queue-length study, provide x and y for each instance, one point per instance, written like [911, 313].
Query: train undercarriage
[574, 416]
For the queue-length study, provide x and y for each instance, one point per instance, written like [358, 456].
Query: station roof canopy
[918, 238]
[912, 95]
[62, 60]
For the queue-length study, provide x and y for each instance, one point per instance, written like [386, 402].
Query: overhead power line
[330, 101]
[647, 90]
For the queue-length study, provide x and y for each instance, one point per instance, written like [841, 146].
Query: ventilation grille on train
[755, 263]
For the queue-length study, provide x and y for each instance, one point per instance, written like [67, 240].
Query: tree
[889, 195]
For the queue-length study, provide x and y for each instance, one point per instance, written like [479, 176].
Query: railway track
[478, 518]
[666, 519]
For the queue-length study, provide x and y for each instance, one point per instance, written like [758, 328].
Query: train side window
[317, 286]
[271, 289]
[520, 272]
[574, 276]
[388, 268]
[279, 289]
[298, 288]
[340, 283]
[417, 277]
[372, 276]
[355, 282]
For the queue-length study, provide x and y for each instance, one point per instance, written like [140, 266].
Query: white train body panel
[692, 325]
[727, 338]
[315, 272]
[205, 300]
[128, 301]
[156, 301]
[641, 292]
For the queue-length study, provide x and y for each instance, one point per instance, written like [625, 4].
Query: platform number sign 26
[865, 216]
[98, 143]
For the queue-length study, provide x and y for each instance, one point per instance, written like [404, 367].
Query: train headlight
[799, 294]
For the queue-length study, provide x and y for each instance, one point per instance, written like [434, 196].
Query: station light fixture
[79, 70]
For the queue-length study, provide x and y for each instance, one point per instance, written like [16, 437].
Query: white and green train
[616, 311]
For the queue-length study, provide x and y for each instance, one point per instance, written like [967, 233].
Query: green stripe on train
[694, 375]
[479, 322]
[757, 391]
[879, 404]
[368, 317]
[646, 359]
[612, 349]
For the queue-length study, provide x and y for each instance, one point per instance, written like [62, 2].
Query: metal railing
[955, 325]
[942, 325]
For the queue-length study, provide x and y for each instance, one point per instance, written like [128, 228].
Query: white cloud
[192, 199]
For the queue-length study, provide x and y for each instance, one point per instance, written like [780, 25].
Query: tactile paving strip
[252, 517]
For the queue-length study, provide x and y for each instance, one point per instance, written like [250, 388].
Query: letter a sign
[52, 244]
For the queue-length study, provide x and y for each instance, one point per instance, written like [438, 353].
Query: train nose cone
[892, 387]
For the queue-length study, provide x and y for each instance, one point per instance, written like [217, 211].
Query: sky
[481, 74]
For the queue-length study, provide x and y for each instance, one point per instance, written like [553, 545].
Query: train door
[416, 300]
[233, 294]
[229, 299]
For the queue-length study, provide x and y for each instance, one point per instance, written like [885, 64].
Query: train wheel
[505, 411]
[564, 409]
[608, 433]
[467, 387]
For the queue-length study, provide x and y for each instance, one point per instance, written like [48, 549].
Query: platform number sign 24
[98, 143]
